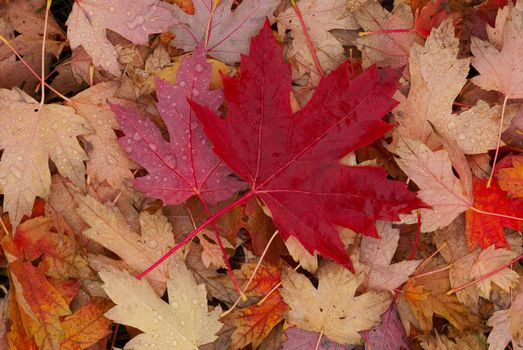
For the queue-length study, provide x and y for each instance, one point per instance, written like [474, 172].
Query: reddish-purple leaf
[292, 161]
[185, 165]
[389, 335]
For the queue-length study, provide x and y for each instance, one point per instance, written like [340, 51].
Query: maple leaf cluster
[261, 174]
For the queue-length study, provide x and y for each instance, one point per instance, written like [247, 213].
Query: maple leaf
[301, 339]
[497, 61]
[85, 327]
[447, 194]
[429, 16]
[489, 260]
[319, 17]
[465, 342]
[40, 304]
[186, 165]
[427, 296]
[378, 253]
[298, 252]
[184, 323]
[31, 134]
[59, 256]
[383, 48]
[389, 335]
[89, 19]
[107, 161]
[510, 179]
[332, 309]
[452, 244]
[281, 155]
[109, 228]
[255, 322]
[485, 230]
[226, 33]
[507, 326]
[437, 77]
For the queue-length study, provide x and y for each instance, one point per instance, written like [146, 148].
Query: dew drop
[20, 158]
[175, 343]
[195, 92]
[194, 125]
[198, 68]
[461, 137]
[175, 304]
[54, 127]
[136, 136]
[451, 125]
[99, 122]
[170, 160]
[152, 244]
[111, 9]
[182, 83]
[3, 182]
[153, 146]
[194, 301]
[184, 158]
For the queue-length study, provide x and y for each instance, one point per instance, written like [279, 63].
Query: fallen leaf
[485, 229]
[511, 179]
[229, 32]
[184, 323]
[298, 252]
[106, 161]
[465, 342]
[109, 228]
[89, 19]
[378, 254]
[389, 335]
[320, 18]
[489, 260]
[40, 304]
[298, 339]
[281, 164]
[439, 187]
[332, 308]
[184, 166]
[31, 134]
[85, 327]
[496, 61]
[255, 322]
[382, 48]
[507, 326]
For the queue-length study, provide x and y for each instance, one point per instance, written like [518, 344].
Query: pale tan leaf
[308, 261]
[439, 187]
[107, 161]
[452, 244]
[499, 61]
[385, 49]
[378, 253]
[507, 326]
[31, 134]
[489, 260]
[464, 342]
[184, 323]
[332, 308]
[109, 228]
[211, 252]
[319, 17]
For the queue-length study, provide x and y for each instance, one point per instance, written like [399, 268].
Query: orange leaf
[484, 229]
[86, 326]
[17, 338]
[254, 323]
[40, 304]
[266, 278]
[511, 178]
[60, 254]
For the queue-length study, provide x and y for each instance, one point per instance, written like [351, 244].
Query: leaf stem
[194, 233]
[42, 72]
[495, 214]
[308, 38]
[222, 248]
[500, 130]
[490, 274]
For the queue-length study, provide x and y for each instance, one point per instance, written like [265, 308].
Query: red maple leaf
[184, 166]
[429, 16]
[292, 161]
[486, 230]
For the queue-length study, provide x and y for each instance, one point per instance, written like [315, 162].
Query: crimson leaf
[292, 161]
